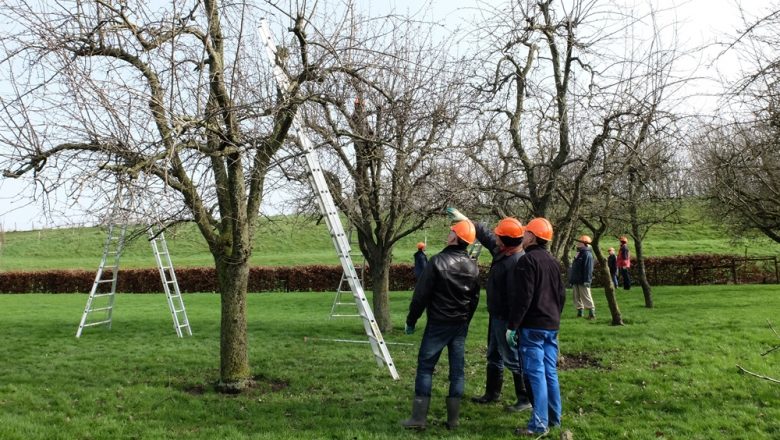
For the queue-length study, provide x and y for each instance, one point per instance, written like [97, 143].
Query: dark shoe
[493, 384]
[521, 391]
[453, 412]
[525, 432]
[591, 315]
[579, 313]
[520, 405]
[419, 416]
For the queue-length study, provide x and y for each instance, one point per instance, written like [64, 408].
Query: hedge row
[680, 270]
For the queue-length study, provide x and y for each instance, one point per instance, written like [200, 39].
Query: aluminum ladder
[168, 277]
[329, 211]
[101, 300]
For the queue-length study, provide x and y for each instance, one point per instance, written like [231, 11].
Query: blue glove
[409, 329]
[512, 338]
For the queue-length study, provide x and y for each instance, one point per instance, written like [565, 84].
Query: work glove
[512, 338]
[455, 215]
[409, 329]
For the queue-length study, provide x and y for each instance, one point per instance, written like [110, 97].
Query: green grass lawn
[669, 373]
[288, 241]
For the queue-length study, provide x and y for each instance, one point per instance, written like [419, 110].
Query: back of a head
[420, 246]
[465, 231]
[541, 228]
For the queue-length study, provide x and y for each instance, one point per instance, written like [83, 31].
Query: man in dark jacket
[536, 303]
[612, 264]
[505, 246]
[581, 277]
[420, 260]
[448, 291]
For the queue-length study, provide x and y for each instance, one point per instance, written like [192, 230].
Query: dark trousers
[435, 338]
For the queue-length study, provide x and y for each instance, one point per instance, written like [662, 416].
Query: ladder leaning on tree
[329, 211]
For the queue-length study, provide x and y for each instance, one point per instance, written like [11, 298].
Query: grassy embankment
[670, 373]
[285, 241]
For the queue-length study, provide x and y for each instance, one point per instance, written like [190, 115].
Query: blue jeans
[615, 280]
[436, 337]
[539, 353]
[498, 352]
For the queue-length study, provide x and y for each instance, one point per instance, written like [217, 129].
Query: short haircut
[462, 244]
[541, 242]
[510, 241]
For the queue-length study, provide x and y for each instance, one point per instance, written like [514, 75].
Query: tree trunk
[609, 289]
[380, 284]
[234, 372]
[609, 293]
[642, 273]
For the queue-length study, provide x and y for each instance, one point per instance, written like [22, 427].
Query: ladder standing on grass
[101, 300]
[329, 211]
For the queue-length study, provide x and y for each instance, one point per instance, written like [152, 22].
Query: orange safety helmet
[420, 246]
[541, 228]
[464, 229]
[584, 239]
[509, 227]
[623, 239]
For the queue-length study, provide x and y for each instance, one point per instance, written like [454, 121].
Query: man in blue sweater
[581, 276]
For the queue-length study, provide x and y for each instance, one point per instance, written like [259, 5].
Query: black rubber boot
[523, 402]
[419, 416]
[493, 384]
[453, 412]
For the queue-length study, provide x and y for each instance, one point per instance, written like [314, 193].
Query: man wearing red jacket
[624, 263]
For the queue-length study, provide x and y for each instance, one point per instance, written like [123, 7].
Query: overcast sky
[702, 22]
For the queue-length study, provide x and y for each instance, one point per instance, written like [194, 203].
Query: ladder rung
[100, 295]
[170, 281]
[183, 325]
[99, 309]
[91, 324]
[344, 316]
[104, 281]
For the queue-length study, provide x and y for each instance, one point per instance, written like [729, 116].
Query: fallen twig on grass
[775, 332]
[758, 375]
[772, 328]
[770, 350]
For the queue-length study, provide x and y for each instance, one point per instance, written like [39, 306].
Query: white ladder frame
[168, 278]
[113, 246]
[330, 212]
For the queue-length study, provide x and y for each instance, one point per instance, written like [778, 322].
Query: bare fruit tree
[386, 119]
[552, 101]
[177, 100]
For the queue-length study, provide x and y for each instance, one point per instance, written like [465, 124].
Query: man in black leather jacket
[448, 291]
[505, 246]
